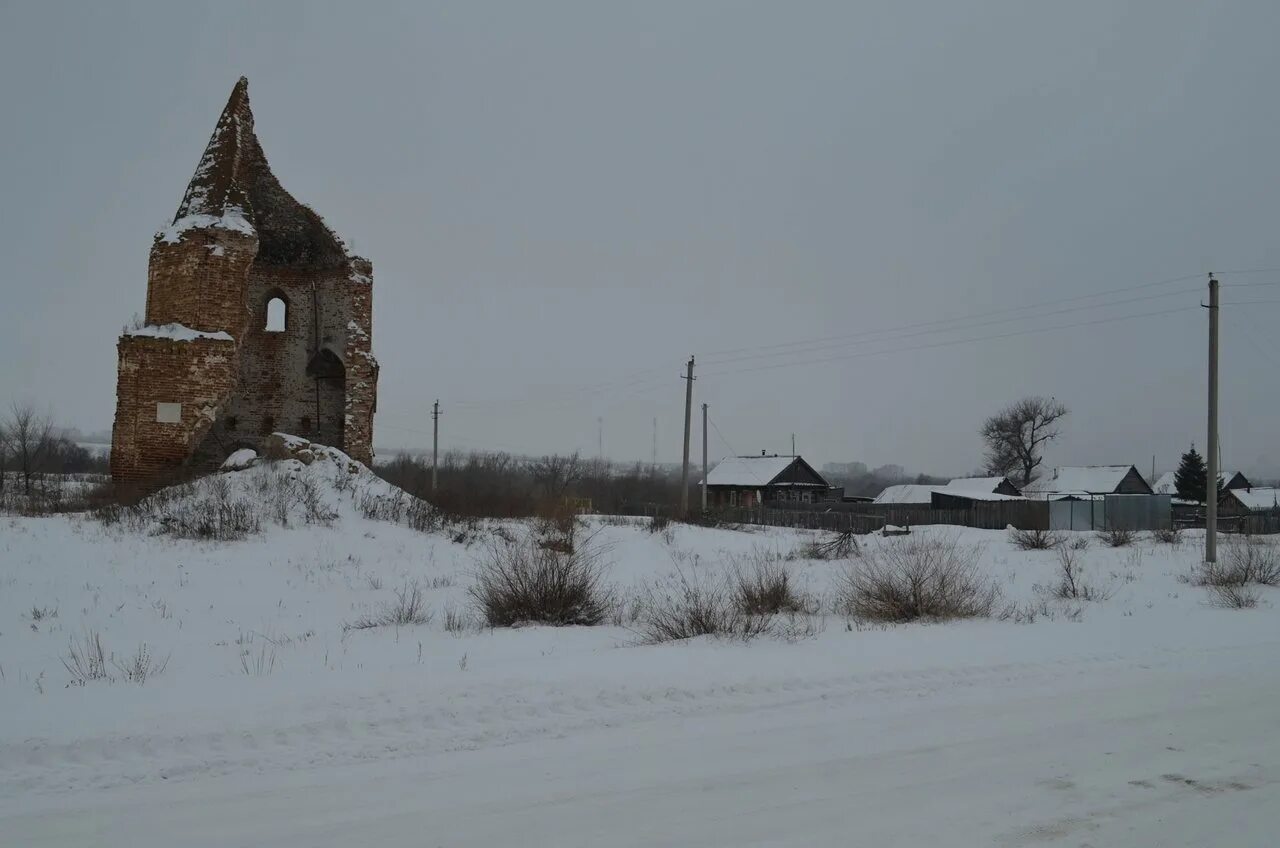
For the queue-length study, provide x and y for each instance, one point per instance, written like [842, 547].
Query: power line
[972, 326]
[953, 342]
[968, 316]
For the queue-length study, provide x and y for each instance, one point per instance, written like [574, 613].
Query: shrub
[658, 523]
[685, 608]
[764, 588]
[1079, 543]
[917, 577]
[1071, 584]
[409, 608]
[1245, 561]
[41, 613]
[832, 546]
[1167, 535]
[1254, 561]
[204, 509]
[456, 621]
[141, 667]
[1233, 596]
[86, 661]
[524, 581]
[257, 665]
[1117, 537]
[1034, 540]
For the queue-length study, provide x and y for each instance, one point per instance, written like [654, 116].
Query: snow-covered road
[1155, 746]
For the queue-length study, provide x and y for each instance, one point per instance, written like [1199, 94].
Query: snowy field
[1146, 717]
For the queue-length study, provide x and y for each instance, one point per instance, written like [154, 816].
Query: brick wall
[200, 280]
[197, 374]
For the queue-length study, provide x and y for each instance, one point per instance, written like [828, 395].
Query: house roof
[1258, 498]
[907, 493]
[1090, 479]
[748, 470]
[975, 484]
[1166, 485]
[975, 495]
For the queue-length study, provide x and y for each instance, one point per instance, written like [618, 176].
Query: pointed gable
[233, 187]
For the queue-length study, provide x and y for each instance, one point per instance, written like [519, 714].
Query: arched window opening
[277, 315]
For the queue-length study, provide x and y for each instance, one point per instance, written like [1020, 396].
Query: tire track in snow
[386, 730]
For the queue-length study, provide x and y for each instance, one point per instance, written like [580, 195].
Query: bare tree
[4, 454]
[555, 474]
[1016, 436]
[29, 437]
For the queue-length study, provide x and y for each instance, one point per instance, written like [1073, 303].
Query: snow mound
[242, 458]
[294, 483]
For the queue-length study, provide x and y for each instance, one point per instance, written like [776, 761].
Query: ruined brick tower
[258, 320]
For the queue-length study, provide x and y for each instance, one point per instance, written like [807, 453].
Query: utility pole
[435, 443]
[1211, 484]
[600, 437]
[793, 445]
[684, 467]
[654, 462]
[704, 457]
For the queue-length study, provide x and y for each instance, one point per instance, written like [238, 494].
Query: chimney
[762, 453]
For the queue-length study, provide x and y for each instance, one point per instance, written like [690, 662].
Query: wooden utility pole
[684, 467]
[435, 444]
[704, 457]
[1211, 484]
[654, 462]
[793, 445]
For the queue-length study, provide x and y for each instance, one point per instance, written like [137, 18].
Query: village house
[1087, 481]
[768, 480]
[957, 494]
[1256, 499]
[1167, 485]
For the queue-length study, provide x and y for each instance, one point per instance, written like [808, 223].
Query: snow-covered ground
[1148, 718]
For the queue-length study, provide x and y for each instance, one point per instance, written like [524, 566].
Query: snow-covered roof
[1083, 479]
[915, 493]
[1258, 498]
[974, 495]
[975, 484]
[907, 493]
[1166, 485]
[748, 470]
[177, 333]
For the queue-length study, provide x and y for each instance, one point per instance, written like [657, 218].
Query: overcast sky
[563, 201]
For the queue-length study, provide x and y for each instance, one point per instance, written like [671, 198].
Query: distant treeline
[500, 485]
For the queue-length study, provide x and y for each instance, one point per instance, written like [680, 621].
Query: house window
[733, 497]
[277, 315]
[806, 497]
[168, 413]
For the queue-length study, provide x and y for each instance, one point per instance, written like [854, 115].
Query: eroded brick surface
[239, 240]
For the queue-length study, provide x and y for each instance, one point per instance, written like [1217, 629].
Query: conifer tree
[1191, 477]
